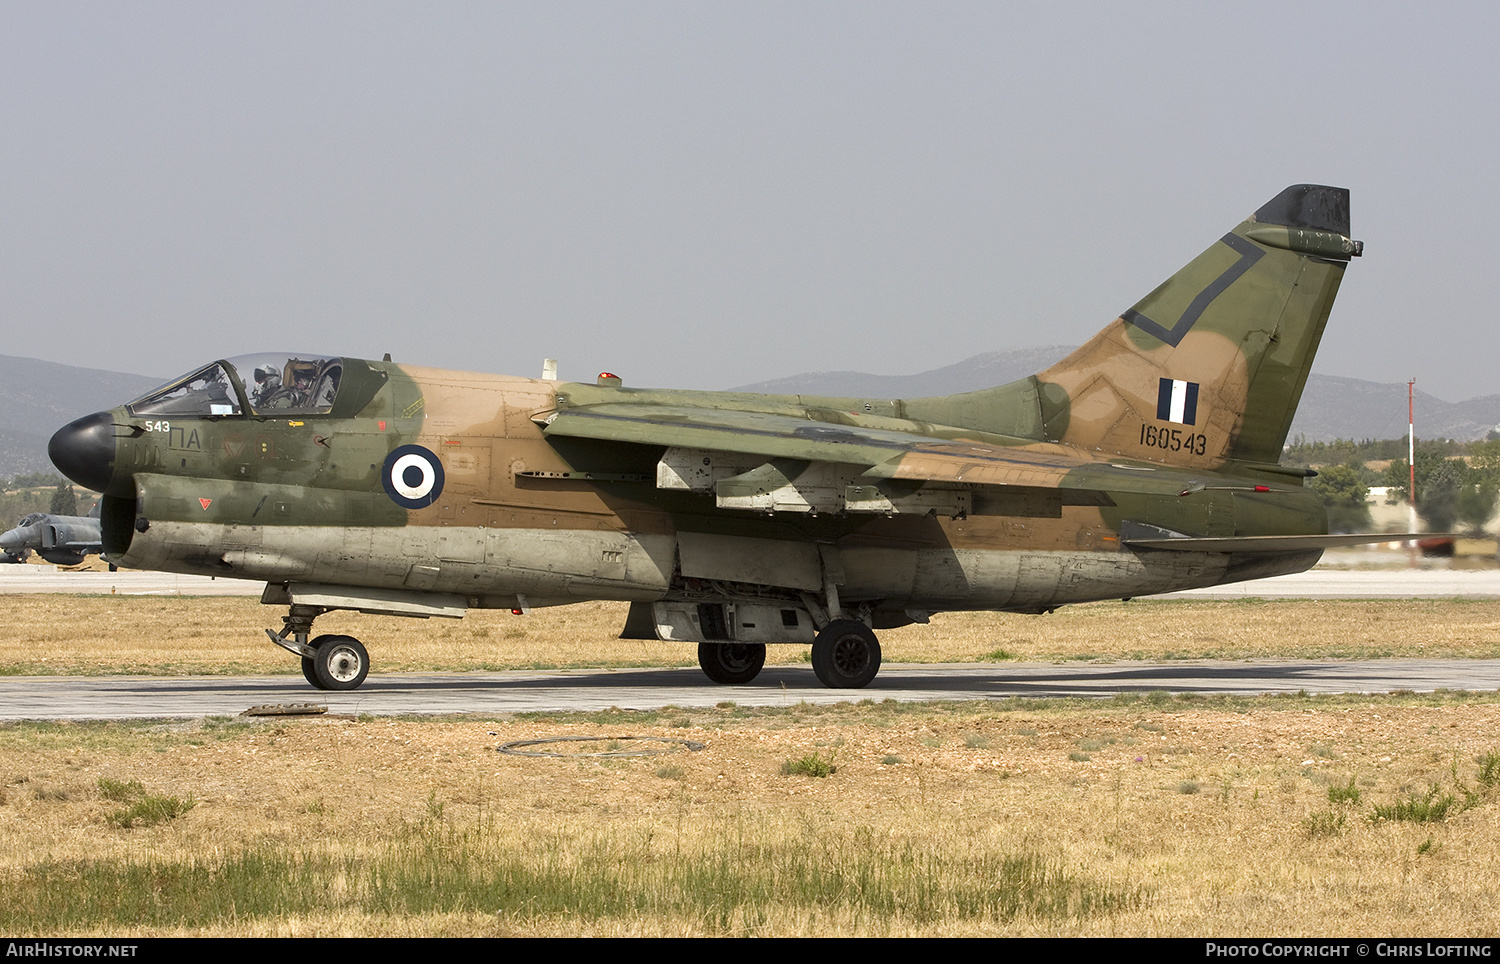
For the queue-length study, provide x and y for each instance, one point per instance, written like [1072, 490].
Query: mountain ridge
[1332, 406]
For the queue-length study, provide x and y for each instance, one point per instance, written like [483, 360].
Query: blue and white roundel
[413, 477]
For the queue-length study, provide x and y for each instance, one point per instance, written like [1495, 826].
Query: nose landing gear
[339, 663]
[329, 662]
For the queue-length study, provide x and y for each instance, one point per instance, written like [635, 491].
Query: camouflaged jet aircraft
[1145, 461]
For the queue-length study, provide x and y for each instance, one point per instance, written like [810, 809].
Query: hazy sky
[708, 194]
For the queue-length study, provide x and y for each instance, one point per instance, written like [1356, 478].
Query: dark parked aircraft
[61, 539]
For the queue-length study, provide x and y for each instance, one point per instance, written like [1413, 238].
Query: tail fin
[1210, 366]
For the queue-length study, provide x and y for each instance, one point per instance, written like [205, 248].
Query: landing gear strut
[846, 654]
[329, 662]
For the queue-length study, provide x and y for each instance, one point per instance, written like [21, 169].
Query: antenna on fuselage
[549, 369]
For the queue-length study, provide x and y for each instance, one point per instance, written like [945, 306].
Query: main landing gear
[731, 662]
[845, 655]
[329, 662]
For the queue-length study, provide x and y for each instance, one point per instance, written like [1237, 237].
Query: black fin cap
[1313, 206]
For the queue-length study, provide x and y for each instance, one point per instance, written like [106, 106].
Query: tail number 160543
[1174, 440]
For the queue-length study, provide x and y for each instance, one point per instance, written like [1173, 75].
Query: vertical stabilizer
[1210, 366]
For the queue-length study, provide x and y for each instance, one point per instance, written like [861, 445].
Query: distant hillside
[39, 397]
[1332, 407]
[982, 371]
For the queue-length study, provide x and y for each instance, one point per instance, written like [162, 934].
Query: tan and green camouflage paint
[550, 489]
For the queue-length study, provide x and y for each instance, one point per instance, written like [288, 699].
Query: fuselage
[345, 472]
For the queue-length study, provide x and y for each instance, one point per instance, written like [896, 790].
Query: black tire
[731, 662]
[846, 654]
[308, 673]
[340, 664]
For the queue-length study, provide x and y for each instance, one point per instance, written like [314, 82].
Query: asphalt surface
[135, 697]
[139, 697]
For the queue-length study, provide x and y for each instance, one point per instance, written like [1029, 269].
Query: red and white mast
[1411, 452]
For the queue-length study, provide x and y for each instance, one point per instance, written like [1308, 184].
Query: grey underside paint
[494, 567]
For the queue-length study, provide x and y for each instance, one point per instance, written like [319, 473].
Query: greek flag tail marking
[1177, 401]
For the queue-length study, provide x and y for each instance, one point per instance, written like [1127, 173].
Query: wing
[780, 462]
[871, 456]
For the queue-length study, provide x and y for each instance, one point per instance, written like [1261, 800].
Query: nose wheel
[329, 662]
[340, 663]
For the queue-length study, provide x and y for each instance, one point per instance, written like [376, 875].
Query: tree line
[1458, 483]
[47, 492]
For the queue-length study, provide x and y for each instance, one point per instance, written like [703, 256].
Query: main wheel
[731, 662]
[846, 654]
[341, 663]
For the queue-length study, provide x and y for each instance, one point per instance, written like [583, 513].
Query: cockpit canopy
[264, 384]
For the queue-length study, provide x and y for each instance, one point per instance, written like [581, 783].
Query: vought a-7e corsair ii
[1146, 461]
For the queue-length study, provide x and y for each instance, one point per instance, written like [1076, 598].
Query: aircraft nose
[84, 450]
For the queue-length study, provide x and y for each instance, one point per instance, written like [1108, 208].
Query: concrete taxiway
[128, 697]
[138, 697]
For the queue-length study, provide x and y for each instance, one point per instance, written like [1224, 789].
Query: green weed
[151, 809]
[1488, 776]
[1324, 823]
[1344, 795]
[1434, 806]
[812, 765]
[120, 791]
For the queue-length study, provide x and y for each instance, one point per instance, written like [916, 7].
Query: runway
[140, 697]
[491, 693]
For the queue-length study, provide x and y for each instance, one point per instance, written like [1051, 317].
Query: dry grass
[169, 634]
[1146, 815]
[338, 800]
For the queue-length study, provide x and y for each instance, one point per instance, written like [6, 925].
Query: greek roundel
[413, 477]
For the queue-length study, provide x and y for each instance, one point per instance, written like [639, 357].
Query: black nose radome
[84, 450]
